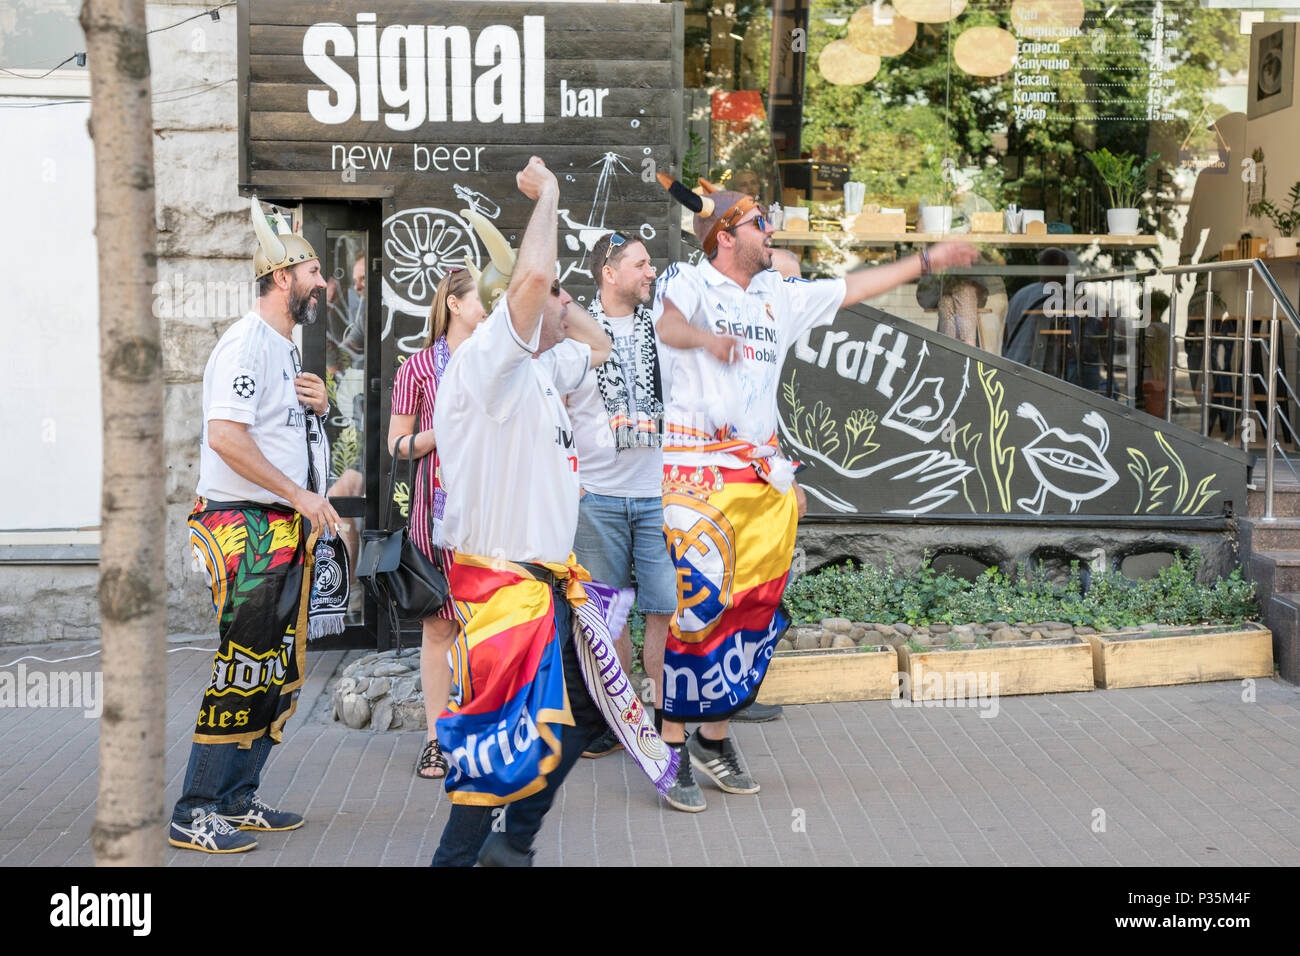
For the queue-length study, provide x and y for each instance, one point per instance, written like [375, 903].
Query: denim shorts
[616, 535]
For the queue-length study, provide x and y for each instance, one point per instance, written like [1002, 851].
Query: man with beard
[730, 511]
[256, 529]
[617, 415]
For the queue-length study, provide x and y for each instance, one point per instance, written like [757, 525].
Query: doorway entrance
[342, 346]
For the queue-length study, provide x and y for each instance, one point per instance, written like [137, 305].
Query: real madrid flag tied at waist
[731, 537]
[508, 697]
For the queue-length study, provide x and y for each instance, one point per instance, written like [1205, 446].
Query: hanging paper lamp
[881, 31]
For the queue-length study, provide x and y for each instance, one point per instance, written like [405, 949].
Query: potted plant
[1285, 220]
[1125, 180]
[934, 213]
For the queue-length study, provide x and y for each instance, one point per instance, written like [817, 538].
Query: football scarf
[260, 570]
[642, 426]
[595, 620]
[731, 537]
[508, 699]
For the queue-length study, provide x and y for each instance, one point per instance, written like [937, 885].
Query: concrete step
[1275, 571]
[1286, 501]
[1280, 534]
[1282, 617]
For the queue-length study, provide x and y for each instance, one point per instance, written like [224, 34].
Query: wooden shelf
[787, 238]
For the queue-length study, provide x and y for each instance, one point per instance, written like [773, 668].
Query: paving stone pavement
[1190, 775]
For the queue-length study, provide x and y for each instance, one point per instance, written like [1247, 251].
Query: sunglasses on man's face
[555, 288]
[760, 220]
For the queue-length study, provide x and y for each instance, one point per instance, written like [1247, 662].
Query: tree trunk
[132, 590]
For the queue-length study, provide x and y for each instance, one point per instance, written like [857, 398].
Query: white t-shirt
[769, 316]
[249, 379]
[633, 472]
[505, 444]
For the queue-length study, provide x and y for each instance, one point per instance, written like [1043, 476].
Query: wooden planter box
[1021, 667]
[825, 676]
[1181, 655]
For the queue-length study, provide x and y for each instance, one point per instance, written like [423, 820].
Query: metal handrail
[1256, 268]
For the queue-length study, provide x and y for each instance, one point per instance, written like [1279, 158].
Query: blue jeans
[616, 535]
[221, 778]
[468, 826]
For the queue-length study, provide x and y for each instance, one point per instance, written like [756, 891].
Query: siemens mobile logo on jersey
[755, 333]
[426, 73]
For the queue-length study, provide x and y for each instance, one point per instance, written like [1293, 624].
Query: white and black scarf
[641, 427]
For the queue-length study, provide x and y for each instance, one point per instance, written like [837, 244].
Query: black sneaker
[757, 713]
[722, 766]
[603, 745]
[685, 794]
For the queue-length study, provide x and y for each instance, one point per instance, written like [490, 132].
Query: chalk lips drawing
[1070, 465]
[926, 404]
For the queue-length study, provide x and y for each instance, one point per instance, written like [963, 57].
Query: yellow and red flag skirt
[500, 730]
[731, 538]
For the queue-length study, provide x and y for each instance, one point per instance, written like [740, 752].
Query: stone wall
[204, 248]
[1051, 546]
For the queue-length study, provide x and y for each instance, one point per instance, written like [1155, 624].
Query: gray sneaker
[721, 766]
[685, 794]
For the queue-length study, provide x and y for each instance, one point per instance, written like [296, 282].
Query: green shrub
[1112, 601]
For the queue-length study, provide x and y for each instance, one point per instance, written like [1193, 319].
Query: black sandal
[432, 758]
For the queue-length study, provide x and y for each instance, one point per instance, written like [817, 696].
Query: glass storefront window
[1008, 112]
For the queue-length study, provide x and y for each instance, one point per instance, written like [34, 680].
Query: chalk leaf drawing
[1070, 465]
[816, 432]
[966, 444]
[1148, 478]
[1002, 459]
[1188, 502]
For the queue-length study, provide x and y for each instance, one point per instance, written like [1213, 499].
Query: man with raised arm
[729, 505]
[520, 713]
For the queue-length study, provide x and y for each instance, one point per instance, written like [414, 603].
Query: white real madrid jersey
[249, 379]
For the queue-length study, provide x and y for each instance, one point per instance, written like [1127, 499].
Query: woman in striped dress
[455, 312]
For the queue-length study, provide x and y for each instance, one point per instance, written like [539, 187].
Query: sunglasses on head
[616, 239]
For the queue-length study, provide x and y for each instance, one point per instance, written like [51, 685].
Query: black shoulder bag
[396, 573]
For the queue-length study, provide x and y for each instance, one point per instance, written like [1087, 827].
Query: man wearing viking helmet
[258, 529]
[729, 504]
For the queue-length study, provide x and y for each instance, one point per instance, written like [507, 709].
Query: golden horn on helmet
[503, 257]
[475, 273]
[271, 245]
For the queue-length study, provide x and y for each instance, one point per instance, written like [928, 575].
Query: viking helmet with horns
[276, 250]
[493, 281]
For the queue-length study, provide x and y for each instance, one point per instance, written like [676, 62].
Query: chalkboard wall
[893, 419]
